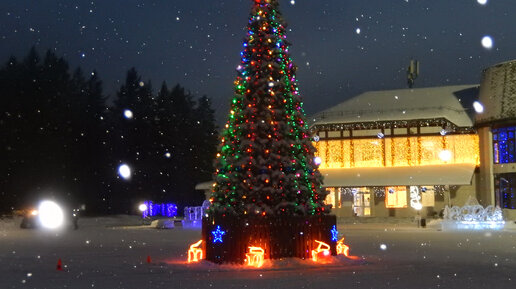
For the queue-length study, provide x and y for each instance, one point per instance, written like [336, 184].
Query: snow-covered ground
[112, 253]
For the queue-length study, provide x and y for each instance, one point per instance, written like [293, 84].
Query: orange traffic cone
[148, 259]
[59, 265]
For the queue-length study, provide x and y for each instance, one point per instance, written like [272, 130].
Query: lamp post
[143, 208]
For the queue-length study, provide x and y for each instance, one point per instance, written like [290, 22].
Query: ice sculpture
[472, 216]
[193, 215]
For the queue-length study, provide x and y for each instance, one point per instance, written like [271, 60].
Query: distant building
[380, 148]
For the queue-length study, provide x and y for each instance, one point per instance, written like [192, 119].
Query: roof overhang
[204, 186]
[431, 175]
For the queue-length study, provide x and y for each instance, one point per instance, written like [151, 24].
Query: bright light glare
[51, 215]
[128, 114]
[383, 247]
[479, 108]
[124, 171]
[317, 161]
[445, 155]
[482, 2]
[487, 42]
[142, 208]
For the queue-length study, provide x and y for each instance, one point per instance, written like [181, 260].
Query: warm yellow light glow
[398, 151]
[428, 196]
[255, 257]
[396, 197]
[195, 253]
[322, 253]
[445, 155]
[368, 153]
[330, 198]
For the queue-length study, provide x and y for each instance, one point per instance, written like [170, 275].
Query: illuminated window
[396, 197]
[427, 196]
[504, 145]
[330, 198]
[505, 190]
[361, 202]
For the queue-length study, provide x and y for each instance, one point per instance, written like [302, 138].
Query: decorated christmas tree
[268, 191]
[265, 164]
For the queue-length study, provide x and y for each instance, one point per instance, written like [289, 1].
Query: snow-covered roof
[204, 186]
[498, 93]
[453, 103]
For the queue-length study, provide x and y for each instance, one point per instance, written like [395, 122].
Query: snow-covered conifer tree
[265, 164]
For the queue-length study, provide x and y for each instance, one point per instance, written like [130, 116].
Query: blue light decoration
[504, 151]
[217, 235]
[334, 233]
[504, 145]
[505, 188]
[168, 210]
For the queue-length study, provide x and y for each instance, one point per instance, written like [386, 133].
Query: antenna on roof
[412, 72]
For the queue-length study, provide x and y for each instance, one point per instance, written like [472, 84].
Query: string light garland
[398, 151]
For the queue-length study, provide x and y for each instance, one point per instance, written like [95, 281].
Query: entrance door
[362, 203]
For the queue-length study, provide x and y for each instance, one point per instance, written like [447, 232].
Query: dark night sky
[197, 43]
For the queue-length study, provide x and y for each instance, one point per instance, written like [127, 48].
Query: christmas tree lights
[265, 165]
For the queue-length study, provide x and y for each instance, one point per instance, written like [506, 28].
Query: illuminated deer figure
[342, 248]
[255, 257]
[195, 253]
